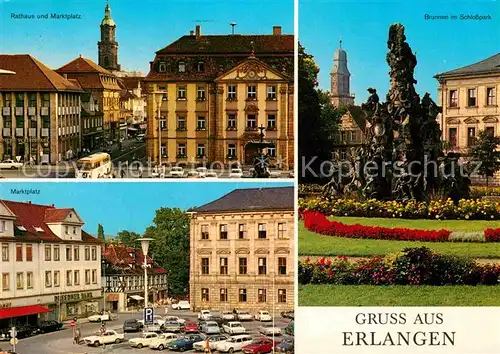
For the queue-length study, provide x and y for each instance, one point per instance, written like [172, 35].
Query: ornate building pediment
[205, 251]
[282, 250]
[262, 251]
[471, 120]
[251, 108]
[252, 69]
[242, 251]
[453, 121]
[223, 251]
[490, 119]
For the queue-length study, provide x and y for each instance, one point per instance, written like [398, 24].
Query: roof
[131, 82]
[82, 65]
[31, 216]
[31, 75]
[358, 116]
[231, 44]
[121, 256]
[252, 199]
[489, 65]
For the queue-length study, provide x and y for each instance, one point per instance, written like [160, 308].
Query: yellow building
[207, 96]
[242, 252]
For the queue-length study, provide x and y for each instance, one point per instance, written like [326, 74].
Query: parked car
[204, 315]
[263, 316]
[24, 331]
[10, 164]
[100, 317]
[210, 327]
[141, 137]
[107, 337]
[173, 326]
[132, 326]
[202, 171]
[269, 329]
[288, 314]
[244, 316]
[211, 174]
[156, 318]
[259, 345]
[177, 172]
[174, 318]
[192, 174]
[161, 342]
[233, 344]
[185, 342]
[285, 346]
[49, 326]
[181, 305]
[236, 173]
[234, 327]
[212, 342]
[191, 327]
[144, 340]
[228, 315]
[290, 329]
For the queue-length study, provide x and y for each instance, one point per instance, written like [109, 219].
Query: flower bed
[466, 209]
[413, 266]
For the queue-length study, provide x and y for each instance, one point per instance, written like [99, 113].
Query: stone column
[291, 128]
[219, 142]
[282, 149]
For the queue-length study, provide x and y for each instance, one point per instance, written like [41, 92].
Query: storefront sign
[5, 305]
[72, 297]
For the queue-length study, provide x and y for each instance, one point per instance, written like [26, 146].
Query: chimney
[198, 31]
[28, 201]
[191, 33]
[276, 30]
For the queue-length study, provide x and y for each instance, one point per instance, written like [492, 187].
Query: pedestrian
[78, 335]
[103, 328]
[140, 171]
[122, 173]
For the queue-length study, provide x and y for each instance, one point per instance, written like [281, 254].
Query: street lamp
[145, 246]
[103, 266]
[160, 101]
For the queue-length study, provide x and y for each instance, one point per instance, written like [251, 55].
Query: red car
[191, 327]
[260, 346]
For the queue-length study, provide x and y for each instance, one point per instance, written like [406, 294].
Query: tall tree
[170, 246]
[128, 238]
[100, 233]
[484, 151]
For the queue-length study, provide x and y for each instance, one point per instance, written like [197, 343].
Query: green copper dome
[107, 20]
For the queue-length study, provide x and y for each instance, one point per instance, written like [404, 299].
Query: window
[204, 295]
[163, 150]
[271, 92]
[231, 121]
[205, 267]
[201, 123]
[74, 230]
[262, 266]
[76, 279]
[471, 136]
[490, 96]
[241, 231]
[282, 231]
[57, 278]
[29, 253]
[204, 232]
[87, 276]
[87, 253]
[56, 253]
[163, 123]
[251, 92]
[29, 280]
[48, 252]
[200, 93]
[223, 295]
[223, 266]
[5, 281]
[452, 136]
[182, 67]
[181, 92]
[282, 265]
[243, 295]
[271, 151]
[181, 150]
[262, 231]
[19, 252]
[69, 275]
[200, 150]
[94, 253]
[223, 232]
[271, 121]
[231, 150]
[251, 121]
[262, 295]
[2, 226]
[76, 252]
[48, 279]
[201, 66]
[231, 92]
[471, 97]
[242, 266]
[5, 252]
[20, 281]
[490, 131]
[181, 123]
[162, 67]
[282, 295]
[66, 230]
[453, 98]
[94, 276]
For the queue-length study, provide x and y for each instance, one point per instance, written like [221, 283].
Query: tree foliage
[100, 233]
[485, 151]
[128, 238]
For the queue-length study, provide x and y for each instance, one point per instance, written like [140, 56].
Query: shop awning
[136, 297]
[113, 297]
[22, 311]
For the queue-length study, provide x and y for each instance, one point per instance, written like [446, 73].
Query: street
[61, 342]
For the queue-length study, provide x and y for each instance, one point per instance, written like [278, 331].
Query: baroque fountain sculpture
[403, 158]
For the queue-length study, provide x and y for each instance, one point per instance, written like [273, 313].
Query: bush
[492, 235]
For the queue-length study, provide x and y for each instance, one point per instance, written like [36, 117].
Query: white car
[263, 316]
[107, 337]
[202, 172]
[192, 174]
[211, 174]
[162, 341]
[233, 344]
[244, 316]
[177, 172]
[157, 319]
[10, 164]
[100, 317]
[236, 173]
[269, 330]
[144, 340]
[182, 305]
[234, 327]
[174, 318]
[228, 315]
[275, 174]
[204, 315]
[212, 342]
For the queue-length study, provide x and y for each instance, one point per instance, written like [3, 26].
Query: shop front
[80, 304]
[21, 315]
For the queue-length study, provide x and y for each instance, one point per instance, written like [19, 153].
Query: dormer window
[182, 67]
[162, 67]
[21, 228]
[201, 66]
[74, 230]
[38, 229]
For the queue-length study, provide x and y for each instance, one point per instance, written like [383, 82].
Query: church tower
[340, 80]
[108, 46]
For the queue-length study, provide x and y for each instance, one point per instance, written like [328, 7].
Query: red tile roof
[120, 256]
[56, 215]
[31, 75]
[82, 65]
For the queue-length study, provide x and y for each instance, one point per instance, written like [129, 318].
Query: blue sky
[441, 45]
[143, 27]
[124, 206]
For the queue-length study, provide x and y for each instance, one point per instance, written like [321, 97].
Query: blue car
[185, 342]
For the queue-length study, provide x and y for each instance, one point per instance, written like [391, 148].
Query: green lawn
[370, 295]
[312, 244]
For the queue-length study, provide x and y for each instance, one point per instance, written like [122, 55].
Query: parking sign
[148, 316]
